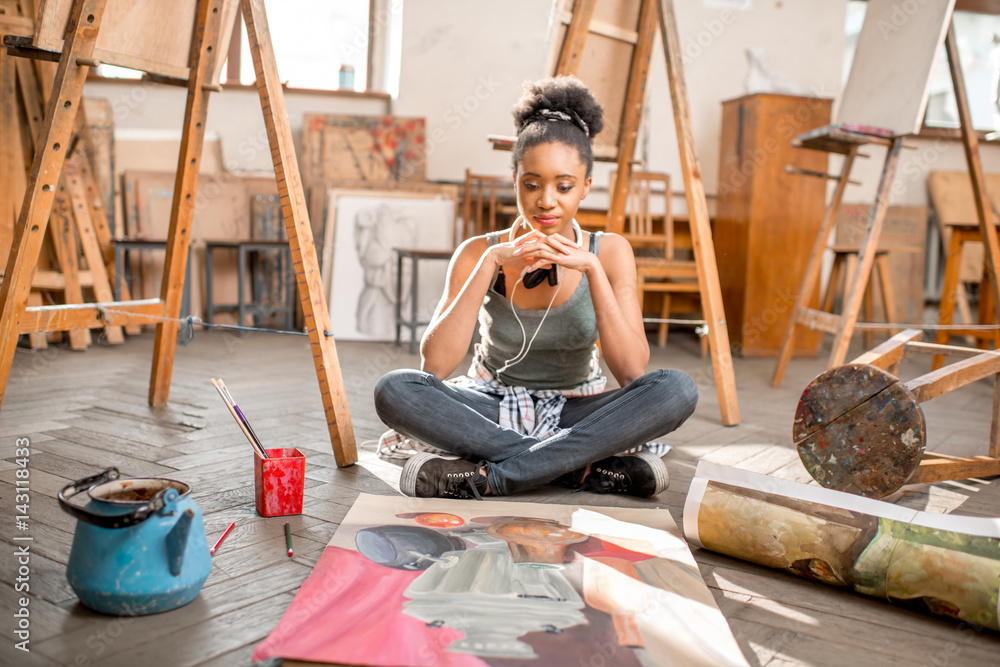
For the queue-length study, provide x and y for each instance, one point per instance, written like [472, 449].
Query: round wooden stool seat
[859, 429]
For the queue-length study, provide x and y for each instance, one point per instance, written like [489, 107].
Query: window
[978, 37]
[318, 44]
[314, 41]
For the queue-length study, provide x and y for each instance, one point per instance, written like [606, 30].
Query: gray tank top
[564, 351]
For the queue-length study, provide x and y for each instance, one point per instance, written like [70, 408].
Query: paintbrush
[242, 423]
[246, 422]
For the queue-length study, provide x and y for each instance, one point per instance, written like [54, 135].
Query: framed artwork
[432, 582]
[359, 263]
[382, 150]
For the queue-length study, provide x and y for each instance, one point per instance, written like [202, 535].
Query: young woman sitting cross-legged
[533, 408]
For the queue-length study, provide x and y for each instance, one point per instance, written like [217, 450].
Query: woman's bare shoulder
[615, 248]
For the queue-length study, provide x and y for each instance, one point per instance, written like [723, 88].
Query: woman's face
[551, 181]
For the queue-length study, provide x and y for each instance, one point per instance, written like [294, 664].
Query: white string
[523, 352]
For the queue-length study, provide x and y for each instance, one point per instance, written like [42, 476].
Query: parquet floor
[85, 411]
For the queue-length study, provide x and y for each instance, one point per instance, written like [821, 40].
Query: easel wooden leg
[64, 238]
[701, 232]
[810, 281]
[635, 96]
[103, 232]
[9, 159]
[91, 247]
[866, 257]
[970, 141]
[81, 35]
[300, 238]
[206, 33]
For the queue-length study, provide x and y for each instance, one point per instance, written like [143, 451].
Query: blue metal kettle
[139, 545]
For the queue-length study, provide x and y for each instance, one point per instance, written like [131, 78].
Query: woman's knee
[677, 388]
[392, 389]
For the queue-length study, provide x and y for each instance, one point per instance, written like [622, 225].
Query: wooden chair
[486, 205]
[659, 269]
[845, 260]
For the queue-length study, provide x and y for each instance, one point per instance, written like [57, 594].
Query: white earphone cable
[522, 354]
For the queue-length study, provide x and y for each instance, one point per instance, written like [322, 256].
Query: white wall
[450, 49]
[234, 115]
[463, 64]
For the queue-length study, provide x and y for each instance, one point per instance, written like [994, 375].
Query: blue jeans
[464, 422]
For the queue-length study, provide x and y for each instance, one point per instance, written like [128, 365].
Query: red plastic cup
[279, 482]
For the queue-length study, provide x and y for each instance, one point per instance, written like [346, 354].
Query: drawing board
[890, 75]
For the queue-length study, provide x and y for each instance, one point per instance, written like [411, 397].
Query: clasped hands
[536, 250]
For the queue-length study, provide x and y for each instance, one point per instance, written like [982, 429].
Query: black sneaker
[642, 474]
[428, 475]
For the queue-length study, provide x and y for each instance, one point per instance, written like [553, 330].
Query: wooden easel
[77, 51]
[845, 139]
[653, 13]
[77, 215]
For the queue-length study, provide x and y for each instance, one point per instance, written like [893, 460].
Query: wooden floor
[84, 411]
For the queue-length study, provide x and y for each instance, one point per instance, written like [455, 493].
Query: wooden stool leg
[949, 291]
[664, 326]
[868, 304]
[207, 24]
[995, 424]
[866, 257]
[986, 311]
[888, 297]
[830, 298]
[300, 239]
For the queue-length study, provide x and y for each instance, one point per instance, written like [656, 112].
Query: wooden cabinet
[767, 219]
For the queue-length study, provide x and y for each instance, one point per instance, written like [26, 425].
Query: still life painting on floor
[408, 581]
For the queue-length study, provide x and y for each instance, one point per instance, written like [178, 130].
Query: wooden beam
[946, 350]
[631, 119]
[604, 29]
[300, 238]
[204, 40]
[891, 351]
[55, 280]
[90, 315]
[818, 320]
[937, 470]
[987, 225]
[576, 36]
[953, 376]
[701, 231]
